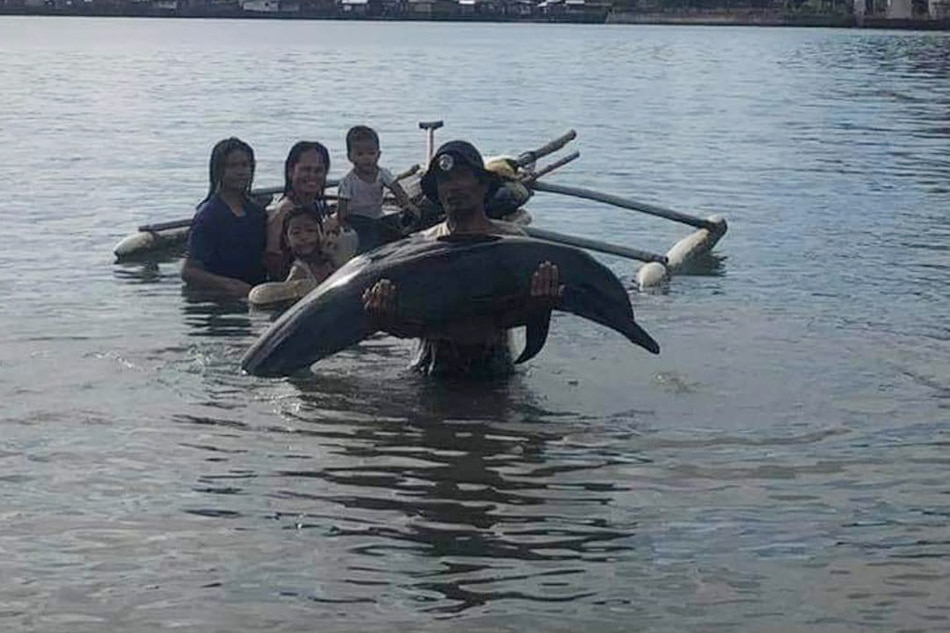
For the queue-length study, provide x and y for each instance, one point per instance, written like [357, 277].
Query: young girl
[303, 237]
[305, 176]
[312, 252]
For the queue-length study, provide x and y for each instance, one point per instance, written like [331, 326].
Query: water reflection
[150, 268]
[466, 481]
[214, 315]
[924, 53]
[146, 272]
[266, 501]
[459, 494]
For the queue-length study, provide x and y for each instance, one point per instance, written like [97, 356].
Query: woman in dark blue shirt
[229, 231]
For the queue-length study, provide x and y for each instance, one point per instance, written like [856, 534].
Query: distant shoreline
[774, 18]
[723, 17]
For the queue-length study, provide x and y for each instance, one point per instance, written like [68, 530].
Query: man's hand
[546, 290]
[379, 300]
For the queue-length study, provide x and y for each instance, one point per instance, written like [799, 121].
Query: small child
[360, 193]
[304, 239]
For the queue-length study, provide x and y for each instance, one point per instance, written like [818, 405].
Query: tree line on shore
[761, 12]
[554, 10]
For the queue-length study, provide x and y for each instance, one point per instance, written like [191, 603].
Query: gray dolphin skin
[439, 282]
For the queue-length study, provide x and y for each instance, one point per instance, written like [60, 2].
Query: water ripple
[779, 466]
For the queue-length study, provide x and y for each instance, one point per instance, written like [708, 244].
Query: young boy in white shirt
[360, 192]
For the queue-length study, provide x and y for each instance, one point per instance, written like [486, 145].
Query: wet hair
[219, 159]
[293, 157]
[358, 134]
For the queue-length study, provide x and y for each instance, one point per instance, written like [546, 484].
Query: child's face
[364, 154]
[303, 236]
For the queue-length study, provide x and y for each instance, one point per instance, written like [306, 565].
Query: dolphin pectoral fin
[639, 336]
[536, 336]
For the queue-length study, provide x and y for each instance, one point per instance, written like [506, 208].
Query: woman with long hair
[229, 230]
[305, 178]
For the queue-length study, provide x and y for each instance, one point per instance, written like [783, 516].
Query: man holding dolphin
[477, 347]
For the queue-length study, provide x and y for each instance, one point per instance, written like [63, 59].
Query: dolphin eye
[446, 162]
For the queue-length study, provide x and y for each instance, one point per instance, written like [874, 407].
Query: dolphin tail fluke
[536, 337]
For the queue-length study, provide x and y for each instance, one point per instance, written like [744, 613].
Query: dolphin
[440, 281]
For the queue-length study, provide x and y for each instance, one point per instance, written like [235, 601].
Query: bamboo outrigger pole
[180, 224]
[626, 203]
[532, 176]
[262, 191]
[526, 158]
[594, 245]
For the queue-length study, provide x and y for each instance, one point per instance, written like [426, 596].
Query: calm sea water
[782, 466]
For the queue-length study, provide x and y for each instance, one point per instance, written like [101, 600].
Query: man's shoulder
[499, 227]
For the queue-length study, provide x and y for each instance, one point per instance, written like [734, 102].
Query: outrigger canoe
[523, 181]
